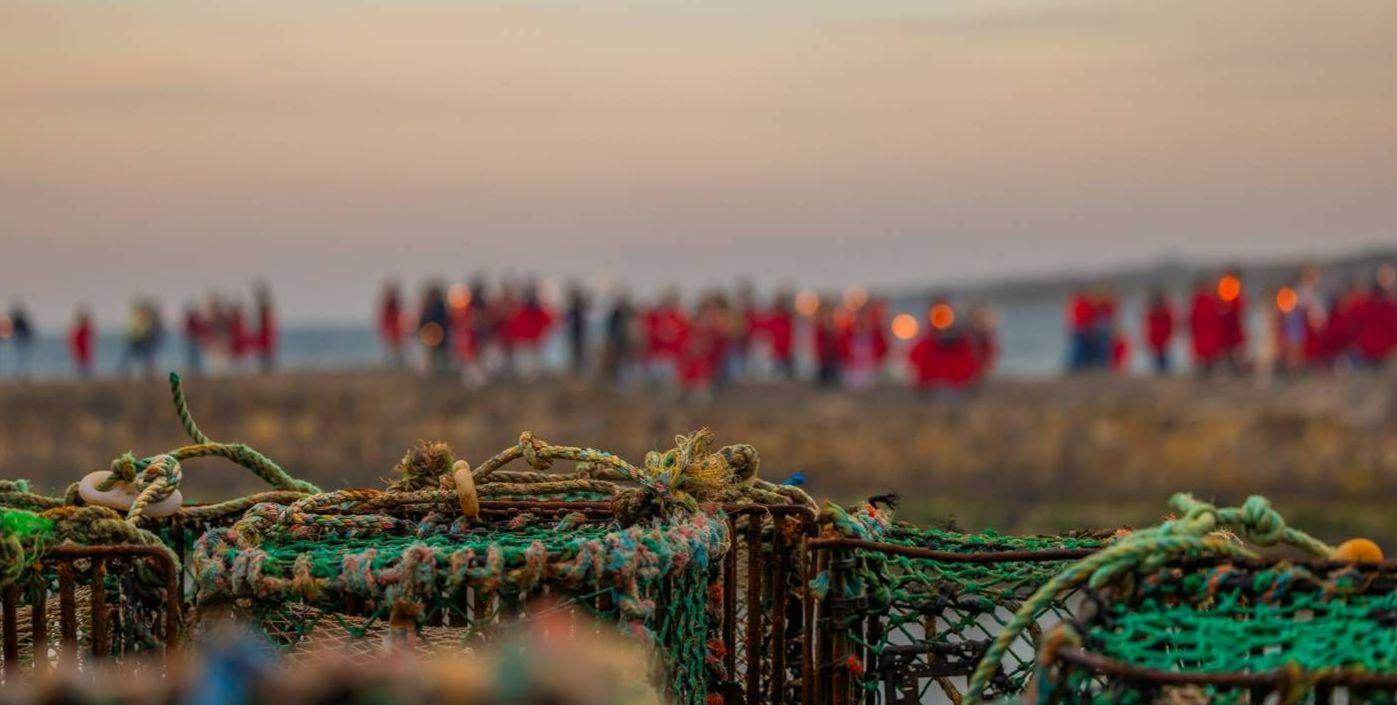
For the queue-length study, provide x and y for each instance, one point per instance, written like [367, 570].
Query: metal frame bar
[63, 559]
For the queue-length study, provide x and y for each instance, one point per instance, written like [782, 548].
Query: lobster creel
[421, 579]
[905, 613]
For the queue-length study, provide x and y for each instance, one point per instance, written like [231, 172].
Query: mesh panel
[350, 583]
[1304, 629]
[915, 627]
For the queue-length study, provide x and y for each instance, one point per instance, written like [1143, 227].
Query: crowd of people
[483, 332]
[850, 341]
[1311, 328]
[221, 331]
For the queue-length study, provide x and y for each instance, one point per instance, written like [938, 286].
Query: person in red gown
[1159, 329]
[667, 329]
[862, 346]
[390, 323]
[1376, 340]
[1205, 326]
[82, 338]
[527, 329]
[778, 326]
[1081, 319]
[705, 346]
[1232, 305]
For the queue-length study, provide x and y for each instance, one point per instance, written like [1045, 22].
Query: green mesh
[652, 578]
[916, 622]
[1308, 624]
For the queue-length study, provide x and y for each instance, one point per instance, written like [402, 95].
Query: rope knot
[536, 453]
[1263, 523]
[124, 469]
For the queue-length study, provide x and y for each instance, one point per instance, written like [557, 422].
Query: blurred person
[390, 323]
[433, 329]
[481, 325]
[778, 327]
[1289, 330]
[705, 346]
[197, 333]
[236, 339]
[22, 334]
[1159, 329]
[826, 344]
[744, 319]
[984, 341]
[82, 341]
[1377, 337]
[1318, 346]
[667, 330]
[265, 339]
[485, 328]
[1232, 304]
[1205, 327]
[728, 326]
[618, 356]
[1108, 349]
[465, 346]
[863, 346]
[578, 307]
[945, 357]
[502, 309]
[529, 325]
[1081, 316]
[145, 334]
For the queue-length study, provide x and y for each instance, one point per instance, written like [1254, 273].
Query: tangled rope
[680, 479]
[156, 478]
[35, 521]
[25, 535]
[1201, 529]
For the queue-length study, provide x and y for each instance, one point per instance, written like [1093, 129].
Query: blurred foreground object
[559, 658]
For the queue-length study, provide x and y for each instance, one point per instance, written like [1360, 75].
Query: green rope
[239, 453]
[1197, 532]
[22, 538]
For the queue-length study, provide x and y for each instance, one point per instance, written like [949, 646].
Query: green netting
[1306, 623]
[651, 577]
[932, 616]
[1220, 621]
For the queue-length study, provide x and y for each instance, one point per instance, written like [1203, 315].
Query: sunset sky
[168, 148]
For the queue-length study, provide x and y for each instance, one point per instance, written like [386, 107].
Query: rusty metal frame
[63, 561]
[828, 621]
[768, 542]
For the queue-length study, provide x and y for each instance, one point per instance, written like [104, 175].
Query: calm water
[1032, 344]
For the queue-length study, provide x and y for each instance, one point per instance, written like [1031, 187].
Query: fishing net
[307, 578]
[1186, 612]
[445, 551]
[1240, 630]
[649, 545]
[911, 609]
